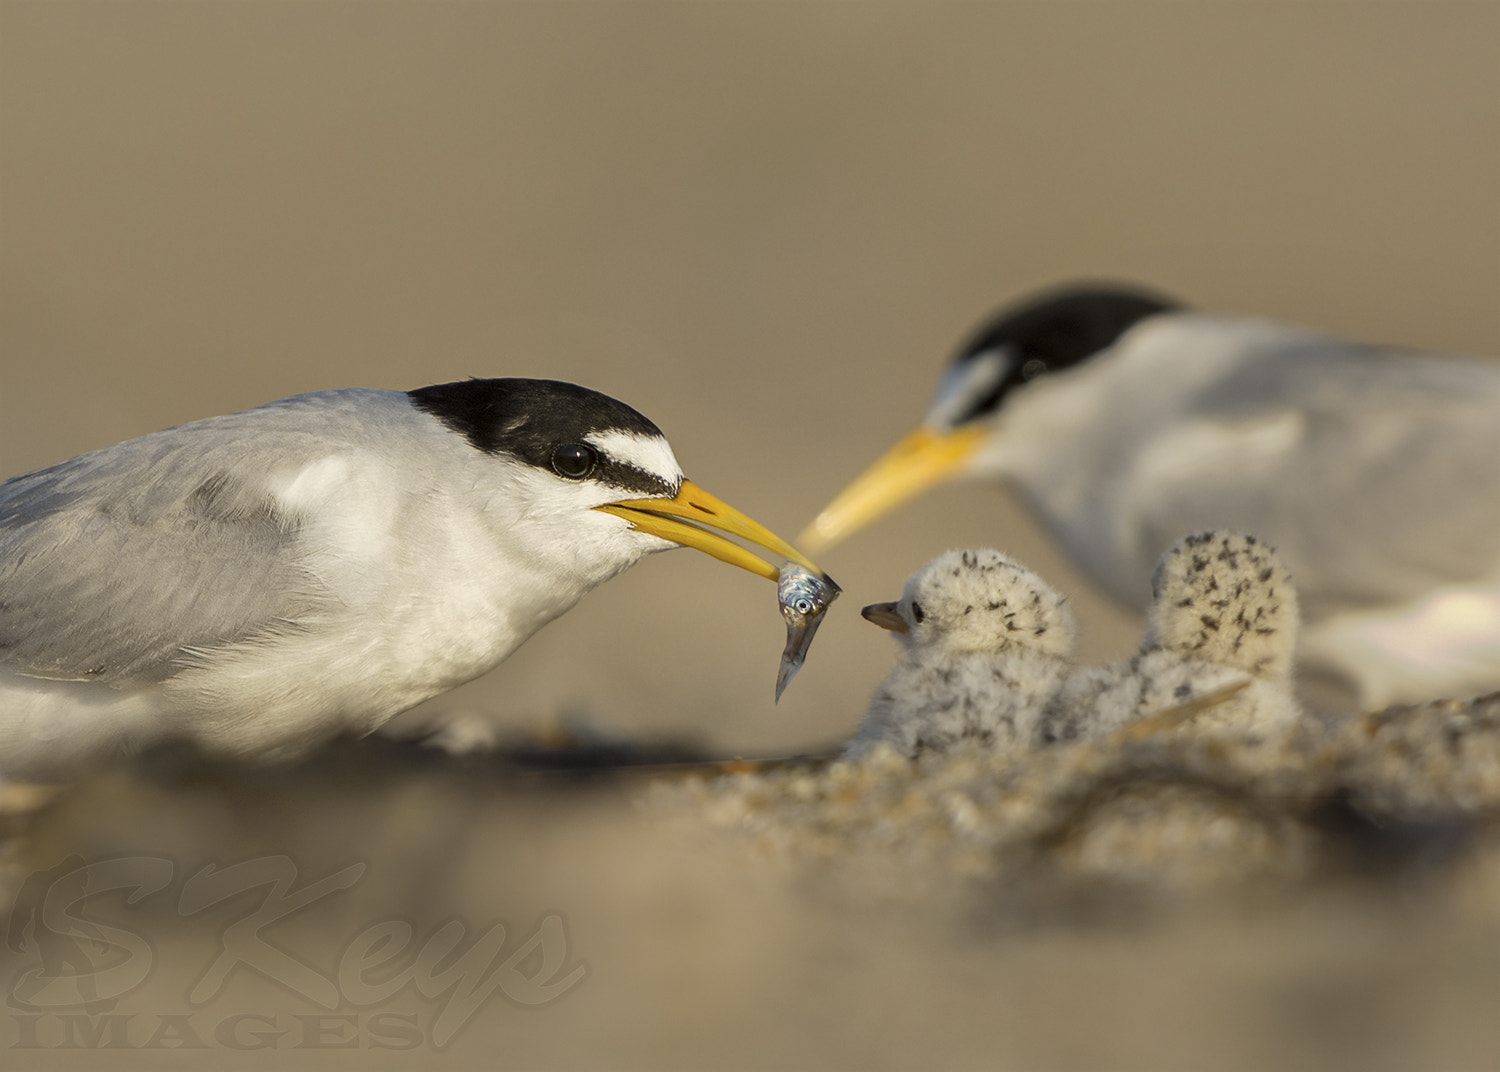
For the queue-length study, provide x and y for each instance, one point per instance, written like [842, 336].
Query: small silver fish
[804, 596]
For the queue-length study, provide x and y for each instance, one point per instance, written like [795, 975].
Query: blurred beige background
[764, 225]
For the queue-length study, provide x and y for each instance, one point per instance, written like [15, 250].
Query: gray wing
[115, 564]
[1375, 472]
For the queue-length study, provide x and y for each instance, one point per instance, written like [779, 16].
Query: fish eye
[803, 605]
[574, 460]
[918, 614]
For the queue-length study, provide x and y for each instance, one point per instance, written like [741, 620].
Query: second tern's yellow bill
[922, 460]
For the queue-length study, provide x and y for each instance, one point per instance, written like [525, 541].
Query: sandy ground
[1326, 899]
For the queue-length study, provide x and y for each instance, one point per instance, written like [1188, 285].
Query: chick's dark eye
[574, 460]
[917, 613]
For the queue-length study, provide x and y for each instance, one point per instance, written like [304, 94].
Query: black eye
[574, 460]
[917, 613]
[1033, 368]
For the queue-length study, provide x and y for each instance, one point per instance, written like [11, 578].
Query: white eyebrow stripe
[648, 453]
[966, 383]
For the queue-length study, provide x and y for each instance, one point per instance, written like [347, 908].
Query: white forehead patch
[650, 454]
[964, 383]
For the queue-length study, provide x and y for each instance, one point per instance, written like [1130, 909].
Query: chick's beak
[885, 616]
[690, 518]
[922, 460]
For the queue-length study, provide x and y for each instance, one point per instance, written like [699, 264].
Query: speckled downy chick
[985, 643]
[1224, 612]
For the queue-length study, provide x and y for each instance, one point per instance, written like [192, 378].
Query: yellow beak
[703, 513]
[922, 460]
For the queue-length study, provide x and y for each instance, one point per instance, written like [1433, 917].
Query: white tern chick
[985, 644]
[1223, 613]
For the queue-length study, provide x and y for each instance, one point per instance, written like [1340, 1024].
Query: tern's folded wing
[1374, 472]
[119, 565]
